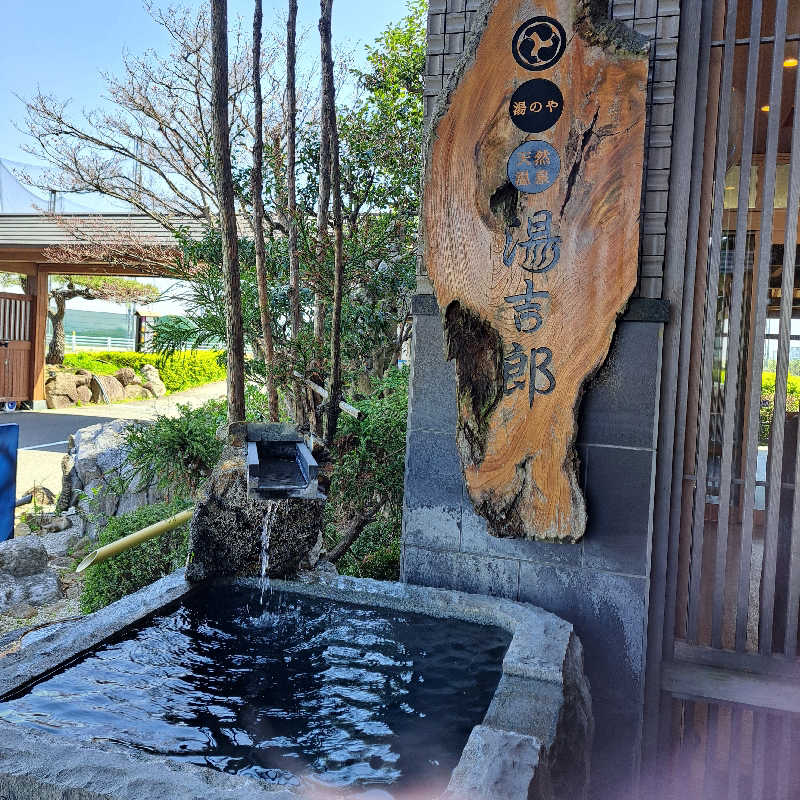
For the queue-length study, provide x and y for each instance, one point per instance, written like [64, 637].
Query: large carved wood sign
[530, 238]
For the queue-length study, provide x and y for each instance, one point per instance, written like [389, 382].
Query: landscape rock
[150, 373]
[21, 611]
[40, 495]
[60, 390]
[156, 388]
[82, 377]
[23, 557]
[98, 482]
[106, 389]
[125, 375]
[135, 392]
[24, 574]
[226, 529]
[59, 543]
[84, 394]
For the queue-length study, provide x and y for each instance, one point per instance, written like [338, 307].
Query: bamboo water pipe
[132, 539]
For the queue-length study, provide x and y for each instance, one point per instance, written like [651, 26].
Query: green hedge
[133, 569]
[179, 371]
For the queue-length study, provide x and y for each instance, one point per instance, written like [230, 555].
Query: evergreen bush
[133, 569]
[178, 371]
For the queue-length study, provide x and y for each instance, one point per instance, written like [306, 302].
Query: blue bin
[9, 440]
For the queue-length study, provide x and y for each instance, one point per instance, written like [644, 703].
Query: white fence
[75, 343]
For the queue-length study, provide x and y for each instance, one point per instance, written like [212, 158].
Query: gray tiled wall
[601, 584]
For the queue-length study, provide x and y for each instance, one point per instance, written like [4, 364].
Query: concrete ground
[43, 434]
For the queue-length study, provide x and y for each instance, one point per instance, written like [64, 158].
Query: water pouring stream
[266, 532]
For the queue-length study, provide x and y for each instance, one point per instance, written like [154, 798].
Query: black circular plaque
[536, 105]
[539, 43]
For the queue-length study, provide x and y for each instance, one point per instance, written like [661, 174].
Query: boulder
[84, 394]
[125, 375]
[150, 373]
[134, 392]
[22, 557]
[106, 389]
[24, 574]
[156, 388]
[36, 590]
[97, 481]
[82, 378]
[60, 391]
[22, 611]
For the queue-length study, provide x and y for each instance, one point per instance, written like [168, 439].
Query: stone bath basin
[532, 744]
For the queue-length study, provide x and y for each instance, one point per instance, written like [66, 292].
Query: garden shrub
[178, 371]
[768, 402]
[370, 463]
[133, 569]
[181, 451]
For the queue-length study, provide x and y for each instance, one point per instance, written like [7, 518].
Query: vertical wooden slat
[675, 267]
[785, 791]
[759, 327]
[779, 417]
[709, 774]
[734, 327]
[793, 594]
[774, 478]
[685, 349]
[759, 755]
[707, 357]
[735, 754]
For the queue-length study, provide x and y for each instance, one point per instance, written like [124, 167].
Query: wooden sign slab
[530, 239]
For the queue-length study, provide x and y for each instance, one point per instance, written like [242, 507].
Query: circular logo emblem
[539, 43]
[536, 105]
[534, 166]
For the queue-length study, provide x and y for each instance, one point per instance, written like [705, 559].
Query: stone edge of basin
[534, 741]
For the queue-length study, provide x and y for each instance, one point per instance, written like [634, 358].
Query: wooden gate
[15, 347]
[726, 565]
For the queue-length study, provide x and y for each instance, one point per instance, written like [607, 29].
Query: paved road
[48, 430]
[43, 434]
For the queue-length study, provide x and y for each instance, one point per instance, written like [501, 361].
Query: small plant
[133, 569]
[179, 452]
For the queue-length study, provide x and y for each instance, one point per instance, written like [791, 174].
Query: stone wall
[601, 585]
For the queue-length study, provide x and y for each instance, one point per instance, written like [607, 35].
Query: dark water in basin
[350, 694]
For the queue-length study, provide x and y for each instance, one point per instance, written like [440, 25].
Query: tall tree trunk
[257, 188]
[300, 402]
[291, 161]
[329, 123]
[58, 345]
[227, 213]
[323, 206]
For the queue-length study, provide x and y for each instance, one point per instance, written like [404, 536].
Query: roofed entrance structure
[38, 246]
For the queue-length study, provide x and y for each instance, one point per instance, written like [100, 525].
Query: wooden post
[531, 232]
[38, 287]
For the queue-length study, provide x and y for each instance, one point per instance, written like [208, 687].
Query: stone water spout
[266, 476]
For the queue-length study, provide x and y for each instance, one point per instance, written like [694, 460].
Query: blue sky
[63, 47]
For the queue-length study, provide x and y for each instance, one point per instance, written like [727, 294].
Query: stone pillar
[601, 584]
